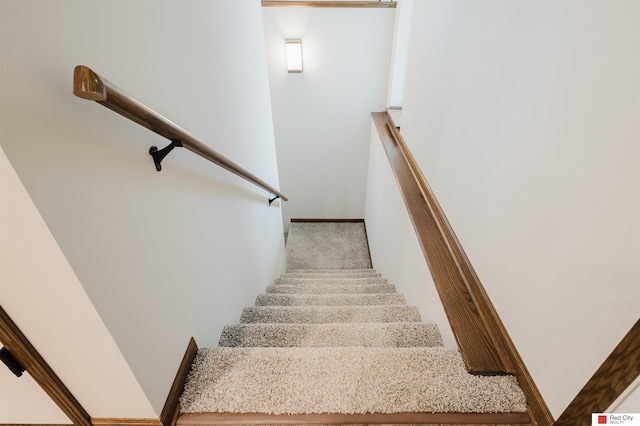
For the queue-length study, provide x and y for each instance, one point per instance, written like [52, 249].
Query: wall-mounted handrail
[87, 84]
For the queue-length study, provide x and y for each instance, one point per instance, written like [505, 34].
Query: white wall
[524, 119]
[23, 401]
[400, 53]
[35, 277]
[163, 256]
[321, 116]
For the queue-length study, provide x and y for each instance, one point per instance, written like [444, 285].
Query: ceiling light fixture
[294, 55]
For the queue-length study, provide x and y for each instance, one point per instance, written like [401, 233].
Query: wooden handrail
[87, 84]
[614, 376]
[484, 343]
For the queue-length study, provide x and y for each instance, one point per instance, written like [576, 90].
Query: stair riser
[330, 300]
[330, 271]
[329, 281]
[332, 275]
[331, 289]
[316, 314]
[327, 335]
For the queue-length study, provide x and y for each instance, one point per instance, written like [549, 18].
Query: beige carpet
[343, 380]
[327, 245]
[391, 334]
[331, 289]
[337, 340]
[330, 299]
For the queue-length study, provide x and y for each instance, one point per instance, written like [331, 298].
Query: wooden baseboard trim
[327, 418]
[329, 220]
[21, 348]
[125, 422]
[477, 344]
[171, 409]
[366, 237]
[97, 421]
[473, 318]
[335, 4]
[614, 376]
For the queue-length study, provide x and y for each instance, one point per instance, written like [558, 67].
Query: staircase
[331, 341]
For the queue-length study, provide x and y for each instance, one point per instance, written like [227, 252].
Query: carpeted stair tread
[327, 245]
[329, 314]
[343, 380]
[330, 281]
[331, 289]
[330, 299]
[397, 334]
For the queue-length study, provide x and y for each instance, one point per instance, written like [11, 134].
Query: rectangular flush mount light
[294, 55]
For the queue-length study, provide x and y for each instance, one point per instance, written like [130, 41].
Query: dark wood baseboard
[329, 220]
[482, 338]
[97, 421]
[171, 409]
[614, 376]
[326, 3]
[26, 354]
[125, 422]
[327, 418]
[366, 237]
[451, 276]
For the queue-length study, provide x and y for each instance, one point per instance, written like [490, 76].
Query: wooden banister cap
[88, 85]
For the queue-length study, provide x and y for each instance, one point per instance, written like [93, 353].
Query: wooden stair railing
[89, 85]
[614, 376]
[483, 340]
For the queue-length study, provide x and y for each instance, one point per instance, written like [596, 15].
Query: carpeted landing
[327, 245]
[337, 340]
